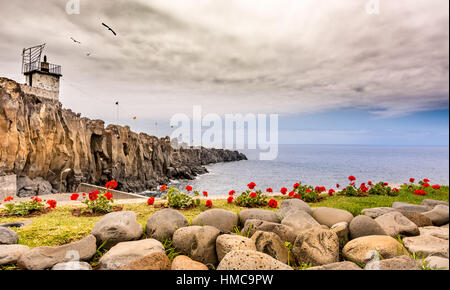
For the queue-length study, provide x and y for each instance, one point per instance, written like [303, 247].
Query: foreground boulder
[398, 263]
[286, 233]
[418, 218]
[395, 224]
[9, 254]
[155, 261]
[437, 263]
[438, 232]
[125, 253]
[331, 216]
[162, 224]
[271, 244]
[342, 231]
[289, 205]
[221, 219]
[377, 211]
[431, 203]
[409, 207]
[316, 246]
[72, 266]
[42, 258]
[427, 246]
[362, 226]
[438, 215]
[228, 243]
[197, 242]
[8, 237]
[343, 266]
[250, 260]
[362, 250]
[299, 221]
[184, 263]
[117, 227]
[258, 214]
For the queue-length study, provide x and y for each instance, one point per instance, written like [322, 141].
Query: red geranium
[412, 180]
[273, 203]
[36, 199]
[284, 190]
[395, 190]
[270, 190]
[331, 192]
[9, 198]
[163, 188]
[189, 188]
[74, 196]
[308, 190]
[351, 178]
[51, 204]
[426, 185]
[253, 194]
[251, 185]
[109, 195]
[436, 186]
[420, 192]
[208, 203]
[232, 192]
[151, 201]
[111, 184]
[296, 185]
[338, 185]
[205, 193]
[93, 195]
[291, 194]
[426, 180]
[230, 199]
[369, 183]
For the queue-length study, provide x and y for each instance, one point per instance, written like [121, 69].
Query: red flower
[436, 186]
[230, 199]
[369, 183]
[270, 190]
[253, 194]
[331, 192]
[420, 192]
[412, 180]
[323, 189]
[232, 192]
[151, 201]
[111, 184]
[351, 178]
[163, 188]
[395, 190]
[74, 196]
[109, 195]
[296, 185]
[93, 195]
[208, 203]
[273, 203]
[295, 196]
[352, 184]
[51, 204]
[426, 180]
[338, 185]
[36, 199]
[426, 185]
[308, 190]
[386, 184]
[251, 185]
[284, 190]
[9, 198]
[189, 188]
[205, 193]
[291, 194]
[84, 194]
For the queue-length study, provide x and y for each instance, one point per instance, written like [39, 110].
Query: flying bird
[109, 28]
[88, 54]
[74, 40]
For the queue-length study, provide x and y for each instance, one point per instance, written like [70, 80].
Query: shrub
[306, 192]
[251, 199]
[99, 201]
[181, 200]
[26, 207]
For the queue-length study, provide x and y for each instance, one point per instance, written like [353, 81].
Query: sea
[325, 165]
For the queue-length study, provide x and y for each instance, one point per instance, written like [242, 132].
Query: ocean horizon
[326, 165]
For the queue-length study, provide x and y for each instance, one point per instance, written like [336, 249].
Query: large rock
[250, 260]
[331, 216]
[418, 218]
[272, 245]
[377, 211]
[437, 263]
[8, 237]
[258, 214]
[223, 220]
[395, 224]
[409, 206]
[197, 242]
[345, 266]
[162, 224]
[228, 243]
[117, 227]
[427, 246]
[431, 203]
[289, 205]
[285, 232]
[72, 266]
[397, 263]
[317, 247]
[438, 215]
[362, 226]
[125, 253]
[184, 263]
[42, 258]
[362, 250]
[437, 232]
[154, 261]
[342, 231]
[9, 254]
[300, 221]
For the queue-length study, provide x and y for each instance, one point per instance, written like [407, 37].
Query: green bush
[23, 208]
[180, 200]
[251, 199]
[307, 193]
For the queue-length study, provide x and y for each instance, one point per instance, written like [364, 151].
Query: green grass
[60, 227]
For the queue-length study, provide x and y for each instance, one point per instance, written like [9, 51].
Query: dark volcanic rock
[39, 139]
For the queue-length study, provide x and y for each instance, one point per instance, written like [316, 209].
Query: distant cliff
[39, 139]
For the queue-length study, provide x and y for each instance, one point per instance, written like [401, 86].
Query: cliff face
[39, 139]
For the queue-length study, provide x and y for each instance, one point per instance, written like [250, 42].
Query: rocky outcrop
[39, 139]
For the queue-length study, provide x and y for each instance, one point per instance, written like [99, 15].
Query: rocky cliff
[39, 140]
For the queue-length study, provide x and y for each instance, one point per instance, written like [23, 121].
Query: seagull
[74, 40]
[88, 54]
[109, 28]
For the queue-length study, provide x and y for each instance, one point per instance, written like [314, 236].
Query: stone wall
[52, 95]
[8, 186]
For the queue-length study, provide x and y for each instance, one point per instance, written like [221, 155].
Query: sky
[334, 73]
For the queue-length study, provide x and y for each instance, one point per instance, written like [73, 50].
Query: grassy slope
[60, 227]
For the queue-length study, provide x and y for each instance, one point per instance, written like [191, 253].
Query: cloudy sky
[334, 73]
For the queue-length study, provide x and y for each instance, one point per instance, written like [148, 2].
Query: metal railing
[33, 66]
